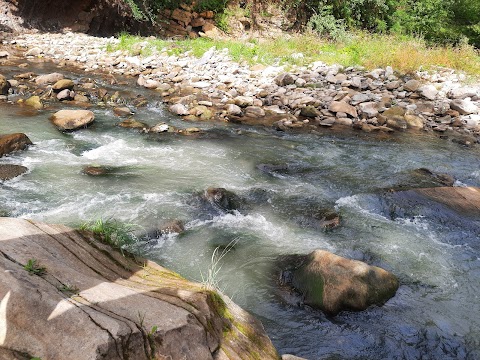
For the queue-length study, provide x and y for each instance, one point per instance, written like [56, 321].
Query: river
[436, 311]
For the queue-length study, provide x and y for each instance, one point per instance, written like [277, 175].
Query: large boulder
[333, 283]
[13, 142]
[67, 120]
[65, 295]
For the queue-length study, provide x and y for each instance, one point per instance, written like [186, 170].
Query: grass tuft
[112, 232]
[34, 268]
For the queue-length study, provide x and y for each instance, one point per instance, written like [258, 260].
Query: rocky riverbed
[310, 98]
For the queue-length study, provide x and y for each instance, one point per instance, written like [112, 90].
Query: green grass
[115, 233]
[404, 53]
[34, 268]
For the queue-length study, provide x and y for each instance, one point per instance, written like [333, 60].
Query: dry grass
[404, 54]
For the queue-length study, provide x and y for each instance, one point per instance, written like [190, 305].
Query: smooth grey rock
[464, 107]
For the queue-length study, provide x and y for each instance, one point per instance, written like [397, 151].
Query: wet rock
[172, 227]
[116, 304]
[133, 124]
[272, 168]
[329, 220]
[35, 102]
[63, 84]
[222, 199]
[66, 94]
[342, 106]
[431, 178]
[10, 171]
[161, 128]
[96, 170]
[13, 142]
[464, 107]
[68, 120]
[332, 283]
[4, 85]
[122, 111]
[48, 78]
[179, 109]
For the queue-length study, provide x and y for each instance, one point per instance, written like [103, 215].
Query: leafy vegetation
[115, 233]
[34, 268]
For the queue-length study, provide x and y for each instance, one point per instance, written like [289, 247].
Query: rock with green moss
[333, 283]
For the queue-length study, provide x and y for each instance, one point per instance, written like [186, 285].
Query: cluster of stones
[185, 21]
[309, 97]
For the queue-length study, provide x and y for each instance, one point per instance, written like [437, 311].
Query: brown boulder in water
[10, 171]
[68, 120]
[332, 283]
[13, 142]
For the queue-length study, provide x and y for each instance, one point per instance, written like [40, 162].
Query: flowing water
[436, 311]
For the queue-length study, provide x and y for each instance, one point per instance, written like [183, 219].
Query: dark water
[436, 312]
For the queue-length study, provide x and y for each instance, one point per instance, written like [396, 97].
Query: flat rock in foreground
[92, 303]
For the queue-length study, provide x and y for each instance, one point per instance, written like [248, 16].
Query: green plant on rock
[112, 232]
[34, 268]
[69, 289]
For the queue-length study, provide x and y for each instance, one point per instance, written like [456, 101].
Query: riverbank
[309, 98]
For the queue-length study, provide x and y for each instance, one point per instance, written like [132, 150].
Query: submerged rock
[81, 299]
[13, 142]
[133, 124]
[68, 120]
[222, 199]
[96, 170]
[332, 283]
[10, 171]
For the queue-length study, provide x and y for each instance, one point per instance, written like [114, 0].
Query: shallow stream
[436, 312]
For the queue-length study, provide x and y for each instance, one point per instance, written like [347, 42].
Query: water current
[436, 311]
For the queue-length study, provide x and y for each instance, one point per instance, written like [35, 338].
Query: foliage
[325, 24]
[113, 232]
[34, 268]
